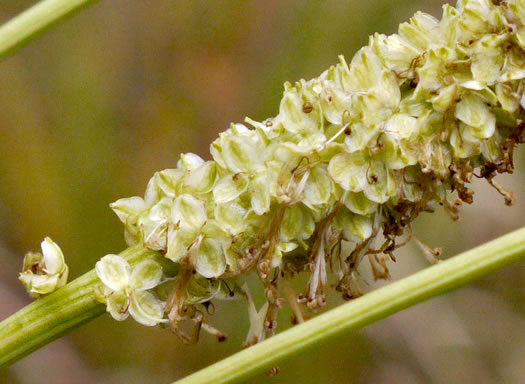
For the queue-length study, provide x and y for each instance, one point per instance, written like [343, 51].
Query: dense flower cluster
[351, 159]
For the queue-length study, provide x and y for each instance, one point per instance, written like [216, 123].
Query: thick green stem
[372, 307]
[35, 20]
[50, 317]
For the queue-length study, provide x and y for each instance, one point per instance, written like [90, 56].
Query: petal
[113, 271]
[387, 90]
[128, 209]
[377, 186]
[429, 74]
[287, 247]
[280, 250]
[463, 146]
[392, 152]
[146, 309]
[146, 275]
[335, 103]
[358, 203]
[202, 179]
[509, 102]
[39, 284]
[230, 187]
[31, 259]
[362, 226]
[354, 227]
[189, 161]
[484, 131]
[485, 68]
[292, 114]
[473, 111]
[520, 37]
[179, 243]
[491, 150]
[155, 225]
[297, 224]
[188, 212]
[169, 181]
[25, 278]
[260, 194]
[210, 260]
[402, 126]
[359, 137]
[215, 230]
[117, 304]
[365, 70]
[318, 188]
[241, 153]
[153, 193]
[231, 216]
[53, 257]
[394, 51]
[161, 211]
[421, 31]
[216, 149]
[349, 170]
[232, 257]
[444, 100]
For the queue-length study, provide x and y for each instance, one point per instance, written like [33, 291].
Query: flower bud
[44, 272]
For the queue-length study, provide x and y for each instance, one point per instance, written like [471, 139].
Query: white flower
[125, 289]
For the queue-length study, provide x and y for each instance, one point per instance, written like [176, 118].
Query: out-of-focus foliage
[98, 104]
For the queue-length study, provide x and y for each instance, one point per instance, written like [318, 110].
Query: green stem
[35, 20]
[368, 309]
[50, 317]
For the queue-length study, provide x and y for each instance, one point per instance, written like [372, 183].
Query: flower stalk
[34, 21]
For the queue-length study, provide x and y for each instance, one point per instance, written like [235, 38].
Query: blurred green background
[94, 107]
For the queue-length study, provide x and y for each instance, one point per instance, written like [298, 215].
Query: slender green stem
[372, 307]
[35, 20]
[50, 317]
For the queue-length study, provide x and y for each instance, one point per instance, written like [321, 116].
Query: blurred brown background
[96, 105]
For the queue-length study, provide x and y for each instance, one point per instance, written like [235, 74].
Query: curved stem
[50, 317]
[367, 309]
[35, 20]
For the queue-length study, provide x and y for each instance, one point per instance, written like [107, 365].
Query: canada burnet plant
[338, 175]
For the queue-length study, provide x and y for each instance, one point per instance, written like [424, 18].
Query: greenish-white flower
[126, 290]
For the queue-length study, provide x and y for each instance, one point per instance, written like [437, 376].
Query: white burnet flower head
[359, 150]
[44, 272]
